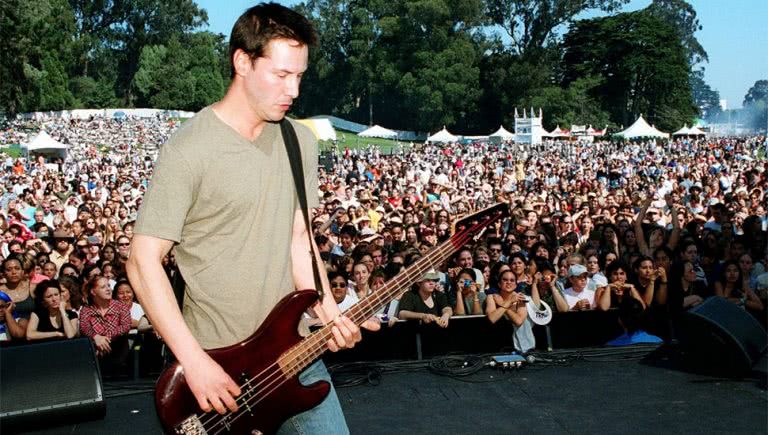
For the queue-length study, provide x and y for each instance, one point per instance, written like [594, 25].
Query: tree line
[406, 64]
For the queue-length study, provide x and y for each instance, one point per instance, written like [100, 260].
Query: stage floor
[583, 397]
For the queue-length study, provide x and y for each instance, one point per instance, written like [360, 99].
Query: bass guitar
[266, 365]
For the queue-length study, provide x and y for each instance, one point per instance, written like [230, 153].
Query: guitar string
[281, 379]
[409, 273]
[324, 335]
[304, 360]
[448, 247]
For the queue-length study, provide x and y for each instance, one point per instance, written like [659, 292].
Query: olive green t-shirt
[228, 204]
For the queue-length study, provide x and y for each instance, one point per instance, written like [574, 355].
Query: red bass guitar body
[251, 359]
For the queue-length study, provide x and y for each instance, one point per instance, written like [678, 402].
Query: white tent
[443, 136]
[641, 129]
[695, 131]
[558, 132]
[503, 134]
[378, 131]
[43, 143]
[685, 131]
[321, 128]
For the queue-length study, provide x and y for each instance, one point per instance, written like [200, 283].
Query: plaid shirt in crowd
[116, 321]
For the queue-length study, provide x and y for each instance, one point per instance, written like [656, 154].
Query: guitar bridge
[190, 426]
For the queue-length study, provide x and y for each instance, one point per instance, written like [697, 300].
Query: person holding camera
[12, 327]
[18, 287]
[469, 296]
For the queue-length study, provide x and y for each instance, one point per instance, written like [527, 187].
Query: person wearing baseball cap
[578, 296]
[425, 304]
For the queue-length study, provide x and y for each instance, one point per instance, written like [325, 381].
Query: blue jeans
[325, 418]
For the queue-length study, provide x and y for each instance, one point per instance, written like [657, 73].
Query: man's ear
[242, 62]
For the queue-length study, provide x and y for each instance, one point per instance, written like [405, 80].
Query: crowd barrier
[476, 334]
[411, 340]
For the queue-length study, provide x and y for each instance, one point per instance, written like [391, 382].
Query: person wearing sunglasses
[344, 296]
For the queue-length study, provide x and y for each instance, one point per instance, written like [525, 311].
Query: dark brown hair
[263, 23]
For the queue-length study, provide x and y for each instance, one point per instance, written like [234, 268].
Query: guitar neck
[308, 350]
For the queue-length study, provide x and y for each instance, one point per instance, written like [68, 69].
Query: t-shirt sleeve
[168, 198]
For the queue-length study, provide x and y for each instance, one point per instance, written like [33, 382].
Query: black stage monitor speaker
[720, 337]
[49, 383]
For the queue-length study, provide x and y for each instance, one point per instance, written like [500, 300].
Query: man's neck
[235, 111]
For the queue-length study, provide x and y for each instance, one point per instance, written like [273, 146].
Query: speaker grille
[47, 376]
[723, 335]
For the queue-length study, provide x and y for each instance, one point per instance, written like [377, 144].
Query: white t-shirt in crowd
[571, 297]
[349, 300]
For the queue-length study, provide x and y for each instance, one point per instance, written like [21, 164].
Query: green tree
[756, 105]
[150, 22]
[705, 98]
[14, 40]
[682, 16]
[98, 24]
[93, 94]
[572, 105]
[48, 85]
[429, 70]
[180, 75]
[530, 24]
[758, 92]
[642, 63]
[40, 52]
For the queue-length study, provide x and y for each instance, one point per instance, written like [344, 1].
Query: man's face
[272, 81]
[397, 233]
[346, 241]
[378, 256]
[124, 247]
[529, 239]
[579, 283]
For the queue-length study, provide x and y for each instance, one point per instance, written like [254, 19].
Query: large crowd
[650, 229]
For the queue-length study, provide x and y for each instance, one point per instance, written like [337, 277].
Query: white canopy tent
[378, 131]
[695, 131]
[503, 134]
[641, 128]
[558, 132]
[44, 144]
[685, 131]
[443, 136]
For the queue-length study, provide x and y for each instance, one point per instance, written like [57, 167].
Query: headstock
[472, 226]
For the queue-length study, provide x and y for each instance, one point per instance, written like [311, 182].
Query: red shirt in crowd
[115, 322]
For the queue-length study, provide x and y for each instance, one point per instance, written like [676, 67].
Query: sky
[734, 35]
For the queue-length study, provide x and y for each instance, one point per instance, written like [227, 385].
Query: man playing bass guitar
[222, 193]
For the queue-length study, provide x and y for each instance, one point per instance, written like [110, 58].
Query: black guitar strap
[297, 168]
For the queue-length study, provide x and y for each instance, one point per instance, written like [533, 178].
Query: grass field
[349, 140]
[14, 150]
